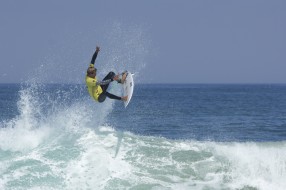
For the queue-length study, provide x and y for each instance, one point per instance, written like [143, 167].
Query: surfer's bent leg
[110, 75]
[101, 97]
[112, 96]
[105, 94]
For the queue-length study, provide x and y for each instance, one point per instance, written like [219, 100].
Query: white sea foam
[260, 165]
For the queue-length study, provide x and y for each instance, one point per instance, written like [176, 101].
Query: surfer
[98, 89]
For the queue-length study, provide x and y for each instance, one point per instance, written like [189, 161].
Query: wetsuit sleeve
[104, 82]
[94, 58]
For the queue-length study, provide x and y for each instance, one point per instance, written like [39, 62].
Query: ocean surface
[171, 136]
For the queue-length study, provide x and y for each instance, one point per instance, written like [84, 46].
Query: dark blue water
[212, 112]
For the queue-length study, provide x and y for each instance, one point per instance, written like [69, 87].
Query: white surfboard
[128, 87]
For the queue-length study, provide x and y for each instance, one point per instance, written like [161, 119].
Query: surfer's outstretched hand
[97, 49]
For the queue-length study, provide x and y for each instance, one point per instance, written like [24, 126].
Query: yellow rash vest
[93, 88]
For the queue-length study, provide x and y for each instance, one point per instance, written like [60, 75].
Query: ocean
[171, 136]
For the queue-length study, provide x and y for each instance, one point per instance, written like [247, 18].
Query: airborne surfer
[98, 89]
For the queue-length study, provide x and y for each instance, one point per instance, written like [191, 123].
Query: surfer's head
[91, 72]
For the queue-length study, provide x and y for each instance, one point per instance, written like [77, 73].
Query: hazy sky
[178, 41]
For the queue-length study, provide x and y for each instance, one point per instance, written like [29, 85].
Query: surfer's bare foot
[124, 98]
[124, 75]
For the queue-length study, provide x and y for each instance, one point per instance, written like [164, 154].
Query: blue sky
[163, 41]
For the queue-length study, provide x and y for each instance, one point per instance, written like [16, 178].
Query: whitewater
[63, 144]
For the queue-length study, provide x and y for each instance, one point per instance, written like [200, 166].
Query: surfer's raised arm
[95, 55]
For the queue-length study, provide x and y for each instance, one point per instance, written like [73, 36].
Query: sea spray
[22, 132]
